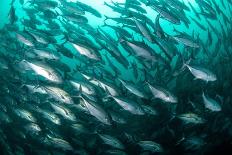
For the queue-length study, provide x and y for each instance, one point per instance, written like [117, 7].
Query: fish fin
[80, 89]
[107, 95]
[203, 94]
[181, 140]
[106, 18]
[185, 64]
[220, 98]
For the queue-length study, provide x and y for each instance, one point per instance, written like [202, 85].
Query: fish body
[202, 73]
[211, 104]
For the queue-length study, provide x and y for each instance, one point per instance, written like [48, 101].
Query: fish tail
[106, 18]
[184, 65]
[181, 140]
[107, 95]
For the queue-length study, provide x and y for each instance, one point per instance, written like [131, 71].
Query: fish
[11, 15]
[211, 104]
[117, 118]
[150, 146]
[141, 51]
[149, 110]
[24, 114]
[162, 94]
[111, 77]
[178, 4]
[89, 9]
[58, 94]
[77, 19]
[112, 141]
[132, 89]
[191, 118]
[143, 29]
[88, 52]
[64, 112]
[24, 40]
[158, 29]
[32, 129]
[57, 143]
[166, 14]
[186, 41]
[201, 73]
[98, 112]
[193, 143]
[83, 87]
[42, 70]
[50, 116]
[129, 105]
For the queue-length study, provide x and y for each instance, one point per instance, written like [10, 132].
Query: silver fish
[202, 73]
[150, 146]
[98, 112]
[211, 104]
[163, 94]
[129, 105]
[191, 118]
[112, 141]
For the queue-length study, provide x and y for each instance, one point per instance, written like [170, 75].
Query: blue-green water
[115, 77]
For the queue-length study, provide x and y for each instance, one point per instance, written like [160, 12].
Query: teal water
[115, 77]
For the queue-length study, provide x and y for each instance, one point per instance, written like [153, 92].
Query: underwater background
[115, 77]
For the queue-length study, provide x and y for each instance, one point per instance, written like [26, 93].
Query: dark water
[115, 77]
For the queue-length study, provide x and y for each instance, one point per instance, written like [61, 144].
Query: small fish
[201, 73]
[150, 146]
[63, 111]
[43, 70]
[24, 40]
[133, 89]
[57, 143]
[116, 117]
[50, 116]
[112, 141]
[167, 14]
[129, 105]
[158, 29]
[24, 114]
[58, 94]
[186, 41]
[162, 94]
[149, 110]
[211, 104]
[97, 111]
[143, 29]
[191, 118]
[32, 129]
[86, 51]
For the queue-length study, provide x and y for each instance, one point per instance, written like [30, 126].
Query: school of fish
[127, 86]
